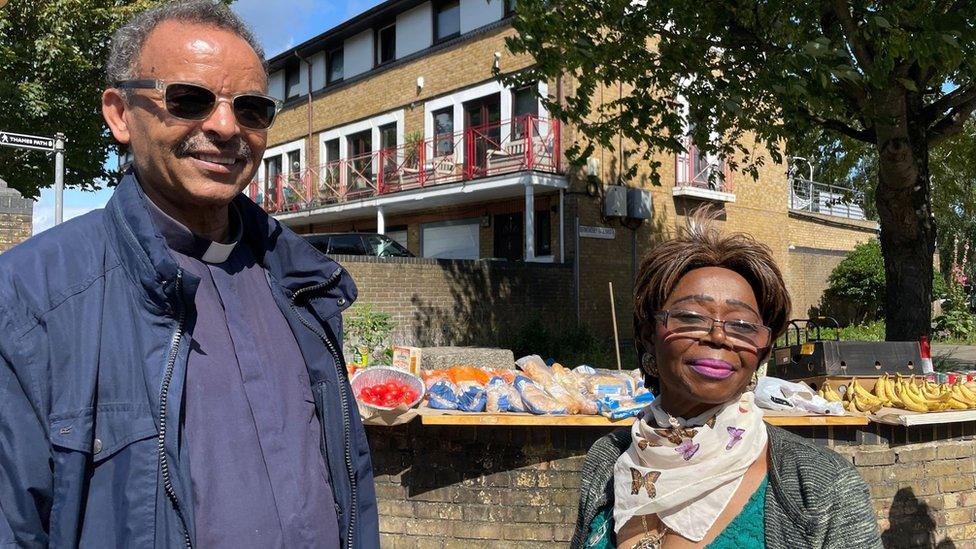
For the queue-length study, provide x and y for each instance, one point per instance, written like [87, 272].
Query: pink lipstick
[712, 368]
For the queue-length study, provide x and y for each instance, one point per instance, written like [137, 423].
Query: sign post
[58, 178]
[48, 144]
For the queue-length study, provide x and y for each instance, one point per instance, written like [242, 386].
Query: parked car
[374, 244]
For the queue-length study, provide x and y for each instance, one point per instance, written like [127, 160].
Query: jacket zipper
[163, 402]
[343, 397]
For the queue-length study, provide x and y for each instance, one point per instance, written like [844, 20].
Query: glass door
[482, 126]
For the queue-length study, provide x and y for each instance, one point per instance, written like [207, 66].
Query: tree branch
[865, 135]
[956, 97]
[952, 123]
[861, 53]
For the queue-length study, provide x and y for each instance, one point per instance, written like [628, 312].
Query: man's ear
[113, 110]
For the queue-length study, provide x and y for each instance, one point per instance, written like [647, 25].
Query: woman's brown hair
[700, 244]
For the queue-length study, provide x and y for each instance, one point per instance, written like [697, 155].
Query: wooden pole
[613, 315]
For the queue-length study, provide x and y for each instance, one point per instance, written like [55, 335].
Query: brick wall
[817, 243]
[445, 302]
[924, 493]
[16, 217]
[473, 487]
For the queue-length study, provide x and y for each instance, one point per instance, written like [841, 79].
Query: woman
[700, 468]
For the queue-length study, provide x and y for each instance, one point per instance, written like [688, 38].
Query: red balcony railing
[527, 143]
[694, 169]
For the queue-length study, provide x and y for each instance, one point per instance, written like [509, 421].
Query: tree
[898, 76]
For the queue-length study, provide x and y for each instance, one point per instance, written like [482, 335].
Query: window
[333, 67]
[332, 150]
[525, 104]
[360, 159]
[272, 169]
[383, 246]
[386, 44]
[447, 20]
[331, 174]
[293, 80]
[388, 136]
[543, 233]
[347, 244]
[388, 144]
[444, 131]
[398, 234]
[295, 162]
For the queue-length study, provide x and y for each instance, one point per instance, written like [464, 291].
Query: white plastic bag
[773, 393]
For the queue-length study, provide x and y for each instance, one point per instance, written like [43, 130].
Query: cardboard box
[407, 358]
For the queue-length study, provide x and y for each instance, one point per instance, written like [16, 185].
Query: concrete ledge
[863, 225]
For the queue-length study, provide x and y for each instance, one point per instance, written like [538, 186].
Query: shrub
[856, 287]
[955, 322]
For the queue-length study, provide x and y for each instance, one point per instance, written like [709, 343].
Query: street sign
[603, 233]
[27, 141]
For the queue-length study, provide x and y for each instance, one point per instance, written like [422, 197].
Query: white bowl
[377, 375]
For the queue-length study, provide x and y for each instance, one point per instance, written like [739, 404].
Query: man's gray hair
[128, 40]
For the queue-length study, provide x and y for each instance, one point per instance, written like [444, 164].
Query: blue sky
[278, 25]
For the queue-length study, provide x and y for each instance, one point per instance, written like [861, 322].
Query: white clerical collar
[181, 239]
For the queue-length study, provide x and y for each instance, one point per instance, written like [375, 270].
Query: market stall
[455, 478]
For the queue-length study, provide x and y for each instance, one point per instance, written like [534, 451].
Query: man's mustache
[203, 143]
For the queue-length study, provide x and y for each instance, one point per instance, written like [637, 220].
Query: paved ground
[961, 354]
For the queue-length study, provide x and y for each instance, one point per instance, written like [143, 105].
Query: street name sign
[20, 140]
[603, 233]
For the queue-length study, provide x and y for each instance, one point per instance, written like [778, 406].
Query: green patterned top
[746, 531]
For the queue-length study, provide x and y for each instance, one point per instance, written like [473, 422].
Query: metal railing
[820, 198]
[527, 143]
[694, 169]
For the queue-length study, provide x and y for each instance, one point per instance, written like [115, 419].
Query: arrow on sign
[23, 141]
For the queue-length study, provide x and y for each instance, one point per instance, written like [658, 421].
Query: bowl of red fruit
[387, 388]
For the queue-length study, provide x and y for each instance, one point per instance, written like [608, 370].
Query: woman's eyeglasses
[691, 324]
[195, 102]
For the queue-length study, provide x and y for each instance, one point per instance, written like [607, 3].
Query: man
[170, 366]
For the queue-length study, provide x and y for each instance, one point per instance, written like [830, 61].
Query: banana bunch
[859, 399]
[829, 394]
[905, 393]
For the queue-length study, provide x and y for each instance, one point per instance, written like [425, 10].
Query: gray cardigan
[815, 499]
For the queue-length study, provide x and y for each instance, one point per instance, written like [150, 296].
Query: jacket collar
[288, 258]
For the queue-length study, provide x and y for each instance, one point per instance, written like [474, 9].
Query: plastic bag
[773, 393]
[442, 395]
[622, 406]
[538, 372]
[601, 385]
[471, 397]
[536, 400]
[502, 397]
[468, 373]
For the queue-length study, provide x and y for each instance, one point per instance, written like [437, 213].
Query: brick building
[393, 123]
[16, 217]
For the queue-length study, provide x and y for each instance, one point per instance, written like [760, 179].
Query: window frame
[517, 128]
[293, 69]
[440, 6]
[448, 137]
[329, 58]
[378, 45]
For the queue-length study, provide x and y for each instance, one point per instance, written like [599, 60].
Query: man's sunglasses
[195, 102]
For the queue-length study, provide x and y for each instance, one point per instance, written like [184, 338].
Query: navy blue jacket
[94, 323]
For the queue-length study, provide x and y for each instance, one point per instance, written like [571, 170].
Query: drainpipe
[308, 83]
